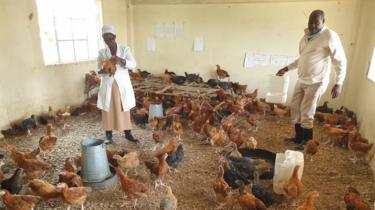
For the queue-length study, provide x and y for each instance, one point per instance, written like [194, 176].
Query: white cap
[108, 29]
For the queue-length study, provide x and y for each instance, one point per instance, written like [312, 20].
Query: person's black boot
[129, 136]
[298, 134]
[108, 135]
[307, 134]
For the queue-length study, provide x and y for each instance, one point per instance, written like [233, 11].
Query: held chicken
[249, 201]
[132, 188]
[222, 189]
[309, 202]
[293, 187]
[354, 201]
[43, 189]
[311, 148]
[168, 201]
[109, 67]
[73, 195]
[48, 141]
[19, 202]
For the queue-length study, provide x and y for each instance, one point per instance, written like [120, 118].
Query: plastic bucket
[155, 110]
[285, 163]
[278, 89]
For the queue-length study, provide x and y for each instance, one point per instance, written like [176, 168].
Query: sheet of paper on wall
[151, 44]
[198, 44]
[256, 59]
[169, 30]
[279, 60]
[159, 30]
[291, 59]
[178, 29]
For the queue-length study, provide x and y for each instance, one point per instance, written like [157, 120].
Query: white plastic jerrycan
[278, 89]
[285, 163]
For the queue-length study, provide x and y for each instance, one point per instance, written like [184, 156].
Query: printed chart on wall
[264, 59]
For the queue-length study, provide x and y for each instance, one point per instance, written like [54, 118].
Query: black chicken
[260, 191]
[174, 159]
[179, 80]
[225, 85]
[171, 73]
[324, 108]
[144, 74]
[193, 78]
[140, 119]
[14, 183]
[29, 123]
[213, 83]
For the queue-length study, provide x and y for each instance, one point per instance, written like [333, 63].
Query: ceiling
[140, 2]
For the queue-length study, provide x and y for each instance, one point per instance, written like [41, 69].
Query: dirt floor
[330, 172]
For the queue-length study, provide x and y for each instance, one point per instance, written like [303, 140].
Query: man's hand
[282, 71]
[336, 90]
[117, 60]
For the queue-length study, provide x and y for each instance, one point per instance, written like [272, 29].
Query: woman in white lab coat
[116, 95]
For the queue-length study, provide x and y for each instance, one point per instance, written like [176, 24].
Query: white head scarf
[108, 29]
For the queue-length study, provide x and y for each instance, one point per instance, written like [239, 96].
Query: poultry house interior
[207, 129]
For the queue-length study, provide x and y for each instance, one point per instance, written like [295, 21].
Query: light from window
[69, 30]
[371, 72]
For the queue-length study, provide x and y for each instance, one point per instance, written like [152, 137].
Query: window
[371, 72]
[69, 30]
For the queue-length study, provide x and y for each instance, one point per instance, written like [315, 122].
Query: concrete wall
[28, 86]
[360, 90]
[230, 30]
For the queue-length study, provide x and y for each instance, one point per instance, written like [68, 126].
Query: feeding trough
[156, 110]
[96, 172]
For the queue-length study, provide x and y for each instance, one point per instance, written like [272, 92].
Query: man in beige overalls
[319, 49]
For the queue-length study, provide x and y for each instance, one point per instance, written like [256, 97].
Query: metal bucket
[95, 170]
[156, 110]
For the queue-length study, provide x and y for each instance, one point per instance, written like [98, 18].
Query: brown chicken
[160, 169]
[153, 122]
[249, 143]
[128, 161]
[263, 107]
[353, 200]
[279, 112]
[48, 141]
[221, 73]
[17, 156]
[109, 67]
[157, 136]
[19, 202]
[254, 94]
[311, 148]
[73, 195]
[173, 110]
[293, 187]
[221, 188]
[111, 153]
[309, 202]
[169, 148]
[221, 95]
[43, 189]
[135, 75]
[71, 179]
[70, 165]
[218, 138]
[249, 201]
[328, 118]
[132, 188]
[177, 128]
[1, 171]
[335, 134]
[236, 136]
[34, 168]
[359, 147]
[234, 152]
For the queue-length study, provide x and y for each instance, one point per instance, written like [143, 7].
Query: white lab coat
[121, 76]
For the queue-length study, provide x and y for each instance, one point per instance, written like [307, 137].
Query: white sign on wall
[169, 29]
[151, 44]
[198, 44]
[256, 59]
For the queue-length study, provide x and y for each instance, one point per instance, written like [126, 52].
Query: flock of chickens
[218, 121]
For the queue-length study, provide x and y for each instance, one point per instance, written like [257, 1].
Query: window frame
[371, 68]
